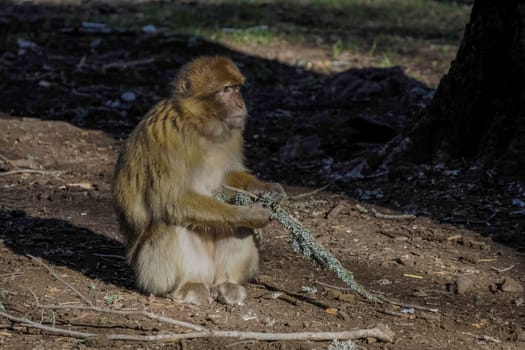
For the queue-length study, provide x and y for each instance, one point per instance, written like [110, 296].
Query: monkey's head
[210, 86]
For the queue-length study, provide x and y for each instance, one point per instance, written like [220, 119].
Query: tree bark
[478, 111]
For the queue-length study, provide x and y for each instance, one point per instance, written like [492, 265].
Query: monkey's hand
[248, 182]
[256, 216]
[275, 189]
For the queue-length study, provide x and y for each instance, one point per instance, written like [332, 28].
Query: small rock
[404, 260]
[94, 27]
[25, 44]
[472, 258]
[463, 284]
[44, 83]
[150, 29]
[128, 96]
[331, 311]
[371, 340]
[511, 286]
[249, 315]
[518, 203]
[518, 301]
[342, 296]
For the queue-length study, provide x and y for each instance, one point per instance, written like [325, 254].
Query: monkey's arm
[198, 209]
[246, 181]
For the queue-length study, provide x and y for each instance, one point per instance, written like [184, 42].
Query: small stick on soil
[412, 306]
[482, 337]
[127, 64]
[144, 313]
[111, 256]
[362, 209]
[302, 195]
[379, 215]
[455, 237]
[31, 171]
[380, 331]
[503, 269]
[344, 289]
[335, 211]
[392, 216]
[40, 262]
[382, 298]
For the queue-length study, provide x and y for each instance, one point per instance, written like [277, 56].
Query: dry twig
[380, 332]
[41, 263]
[503, 269]
[31, 171]
[483, 337]
[122, 65]
[382, 298]
[379, 215]
[144, 313]
[302, 195]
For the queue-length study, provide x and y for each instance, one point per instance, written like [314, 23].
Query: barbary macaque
[181, 241]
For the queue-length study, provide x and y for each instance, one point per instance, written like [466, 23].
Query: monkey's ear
[182, 87]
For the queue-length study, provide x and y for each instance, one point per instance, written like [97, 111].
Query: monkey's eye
[227, 89]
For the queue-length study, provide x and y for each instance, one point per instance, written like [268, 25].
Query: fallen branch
[122, 65]
[382, 298]
[31, 171]
[379, 215]
[41, 263]
[144, 313]
[503, 269]
[482, 337]
[301, 195]
[380, 332]
[392, 216]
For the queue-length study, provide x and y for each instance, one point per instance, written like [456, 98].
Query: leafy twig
[303, 242]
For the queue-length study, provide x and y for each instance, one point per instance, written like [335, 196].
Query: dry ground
[67, 221]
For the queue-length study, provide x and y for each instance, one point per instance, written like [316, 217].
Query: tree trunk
[478, 111]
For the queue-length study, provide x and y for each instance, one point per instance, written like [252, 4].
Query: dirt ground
[455, 264]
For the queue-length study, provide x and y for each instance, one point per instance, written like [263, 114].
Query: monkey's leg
[237, 259]
[177, 261]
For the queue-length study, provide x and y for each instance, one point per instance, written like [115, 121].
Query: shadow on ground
[306, 129]
[63, 244]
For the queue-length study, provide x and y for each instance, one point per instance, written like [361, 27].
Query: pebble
[511, 286]
[463, 284]
[128, 96]
[404, 259]
[25, 44]
[149, 29]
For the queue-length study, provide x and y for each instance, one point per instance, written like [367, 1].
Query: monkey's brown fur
[180, 239]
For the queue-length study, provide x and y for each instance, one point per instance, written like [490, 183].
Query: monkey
[180, 240]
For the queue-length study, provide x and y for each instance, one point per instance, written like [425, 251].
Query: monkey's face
[232, 106]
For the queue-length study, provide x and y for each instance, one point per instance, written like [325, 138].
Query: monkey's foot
[229, 293]
[193, 293]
